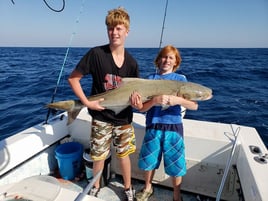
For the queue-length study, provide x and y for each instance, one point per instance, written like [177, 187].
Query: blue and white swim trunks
[162, 139]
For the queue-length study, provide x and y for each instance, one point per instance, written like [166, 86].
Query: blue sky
[189, 23]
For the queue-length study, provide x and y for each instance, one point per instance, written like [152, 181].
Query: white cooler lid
[37, 188]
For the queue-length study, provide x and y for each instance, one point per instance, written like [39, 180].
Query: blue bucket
[69, 157]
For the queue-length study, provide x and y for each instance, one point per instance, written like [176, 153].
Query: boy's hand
[135, 100]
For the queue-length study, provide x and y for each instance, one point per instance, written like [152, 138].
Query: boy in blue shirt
[164, 129]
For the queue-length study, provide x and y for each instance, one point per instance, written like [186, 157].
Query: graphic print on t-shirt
[112, 81]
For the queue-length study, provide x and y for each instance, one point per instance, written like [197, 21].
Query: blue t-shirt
[171, 115]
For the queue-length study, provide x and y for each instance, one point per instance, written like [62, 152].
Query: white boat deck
[208, 148]
[114, 191]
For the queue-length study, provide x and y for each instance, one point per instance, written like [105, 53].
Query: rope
[65, 58]
[45, 1]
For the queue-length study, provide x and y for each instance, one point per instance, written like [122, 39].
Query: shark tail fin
[62, 105]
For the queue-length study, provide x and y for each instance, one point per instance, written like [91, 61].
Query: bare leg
[176, 188]
[147, 191]
[97, 166]
[126, 171]
[148, 179]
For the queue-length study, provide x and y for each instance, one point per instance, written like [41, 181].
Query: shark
[119, 98]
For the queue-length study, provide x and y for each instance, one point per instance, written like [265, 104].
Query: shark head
[195, 92]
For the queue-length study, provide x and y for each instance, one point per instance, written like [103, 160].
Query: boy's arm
[74, 81]
[168, 100]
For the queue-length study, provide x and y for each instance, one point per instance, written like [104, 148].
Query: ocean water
[238, 78]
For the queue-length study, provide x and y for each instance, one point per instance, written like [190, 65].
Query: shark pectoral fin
[149, 97]
[164, 107]
[117, 109]
[72, 115]
[186, 96]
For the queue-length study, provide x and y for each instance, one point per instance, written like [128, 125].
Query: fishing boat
[224, 162]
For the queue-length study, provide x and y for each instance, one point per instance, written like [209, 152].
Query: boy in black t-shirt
[107, 64]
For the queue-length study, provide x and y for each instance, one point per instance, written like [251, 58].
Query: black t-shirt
[99, 62]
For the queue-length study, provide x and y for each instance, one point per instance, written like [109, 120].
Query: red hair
[166, 50]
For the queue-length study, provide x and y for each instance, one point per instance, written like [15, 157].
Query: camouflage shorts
[104, 133]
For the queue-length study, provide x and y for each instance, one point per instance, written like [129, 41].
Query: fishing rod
[163, 25]
[162, 31]
[64, 61]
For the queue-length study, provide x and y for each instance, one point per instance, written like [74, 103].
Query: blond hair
[166, 50]
[117, 16]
